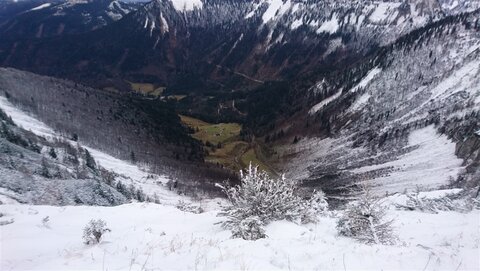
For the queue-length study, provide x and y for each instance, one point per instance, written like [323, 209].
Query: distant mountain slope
[405, 118]
[9, 9]
[225, 44]
[40, 19]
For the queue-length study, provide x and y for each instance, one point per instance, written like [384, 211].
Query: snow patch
[146, 22]
[26, 121]
[430, 165]
[152, 27]
[402, 199]
[187, 5]
[324, 102]
[331, 26]
[255, 8]
[333, 45]
[46, 5]
[276, 8]
[363, 99]
[367, 79]
[296, 24]
[165, 27]
[117, 5]
[360, 102]
[462, 79]
[384, 12]
[114, 16]
[360, 20]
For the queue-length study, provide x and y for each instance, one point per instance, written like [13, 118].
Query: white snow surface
[186, 5]
[331, 26]
[460, 80]
[367, 79]
[360, 102]
[115, 16]
[324, 102]
[25, 120]
[363, 83]
[165, 27]
[42, 6]
[276, 8]
[402, 199]
[157, 237]
[296, 24]
[363, 99]
[383, 12]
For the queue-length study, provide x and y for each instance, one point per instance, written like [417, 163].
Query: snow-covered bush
[46, 222]
[187, 207]
[365, 221]
[434, 205]
[251, 228]
[94, 230]
[317, 204]
[261, 199]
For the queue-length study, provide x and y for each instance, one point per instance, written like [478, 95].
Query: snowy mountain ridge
[386, 19]
[59, 17]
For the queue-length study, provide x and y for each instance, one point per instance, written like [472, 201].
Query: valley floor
[159, 237]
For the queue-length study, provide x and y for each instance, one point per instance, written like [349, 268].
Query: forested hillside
[127, 126]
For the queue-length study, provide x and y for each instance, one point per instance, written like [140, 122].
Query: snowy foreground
[147, 236]
[158, 237]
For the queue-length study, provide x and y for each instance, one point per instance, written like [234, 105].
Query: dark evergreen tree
[52, 153]
[90, 162]
[132, 157]
[45, 172]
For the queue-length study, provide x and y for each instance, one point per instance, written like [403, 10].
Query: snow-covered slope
[401, 121]
[153, 185]
[150, 237]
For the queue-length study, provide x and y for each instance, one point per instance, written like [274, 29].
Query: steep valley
[239, 135]
[332, 93]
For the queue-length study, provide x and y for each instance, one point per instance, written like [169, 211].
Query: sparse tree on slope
[365, 221]
[90, 162]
